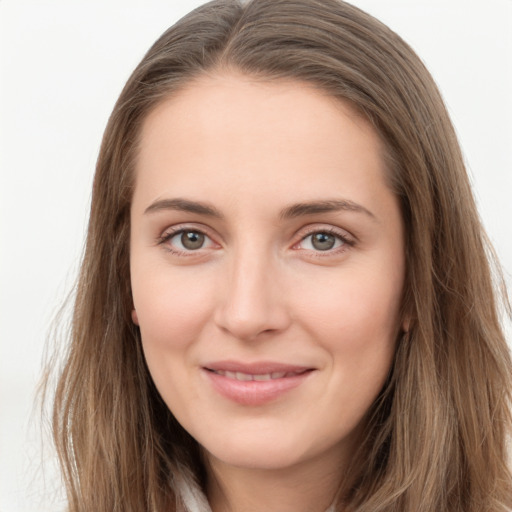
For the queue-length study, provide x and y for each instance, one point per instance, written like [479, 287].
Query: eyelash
[178, 230]
[346, 241]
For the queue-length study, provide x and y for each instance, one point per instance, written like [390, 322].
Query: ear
[406, 323]
[135, 318]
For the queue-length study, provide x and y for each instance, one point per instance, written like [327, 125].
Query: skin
[259, 288]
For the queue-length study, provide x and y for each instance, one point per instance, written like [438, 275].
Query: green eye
[187, 241]
[323, 241]
[192, 240]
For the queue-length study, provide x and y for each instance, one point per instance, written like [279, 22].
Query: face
[267, 266]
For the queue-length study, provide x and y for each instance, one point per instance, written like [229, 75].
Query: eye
[186, 240]
[190, 240]
[323, 241]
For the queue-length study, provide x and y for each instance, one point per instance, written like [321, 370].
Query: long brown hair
[436, 436]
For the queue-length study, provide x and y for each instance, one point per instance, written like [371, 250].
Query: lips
[259, 376]
[254, 383]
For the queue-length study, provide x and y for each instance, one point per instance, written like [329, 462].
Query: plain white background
[63, 64]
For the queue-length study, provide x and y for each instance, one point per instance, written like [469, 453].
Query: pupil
[323, 241]
[192, 240]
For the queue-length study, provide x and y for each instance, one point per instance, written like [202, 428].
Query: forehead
[231, 100]
[238, 131]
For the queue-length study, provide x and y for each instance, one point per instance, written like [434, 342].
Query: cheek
[355, 319]
[356, 306]
[172, 312]
[171, 307]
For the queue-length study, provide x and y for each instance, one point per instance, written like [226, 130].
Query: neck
[301, 488]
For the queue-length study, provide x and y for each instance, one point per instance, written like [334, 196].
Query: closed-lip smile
[254, 383]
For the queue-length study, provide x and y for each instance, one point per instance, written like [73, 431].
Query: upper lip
[256, 368]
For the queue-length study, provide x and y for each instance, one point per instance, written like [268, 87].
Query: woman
[286, 300]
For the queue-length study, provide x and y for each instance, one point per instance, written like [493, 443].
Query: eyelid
[172, 231]
[347, 239]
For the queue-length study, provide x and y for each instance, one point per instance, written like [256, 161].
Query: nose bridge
[251, 302]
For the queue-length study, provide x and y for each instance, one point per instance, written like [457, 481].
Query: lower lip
[254, 392]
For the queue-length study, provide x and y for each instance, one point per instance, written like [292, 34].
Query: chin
[254, 450]
[256, 459]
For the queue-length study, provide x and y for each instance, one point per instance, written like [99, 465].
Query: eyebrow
[290, 212]
[324, 206]
[184, 205]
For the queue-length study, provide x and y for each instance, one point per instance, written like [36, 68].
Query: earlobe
[135, 318]
[406, 324]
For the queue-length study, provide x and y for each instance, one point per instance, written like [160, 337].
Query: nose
[251, 301]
